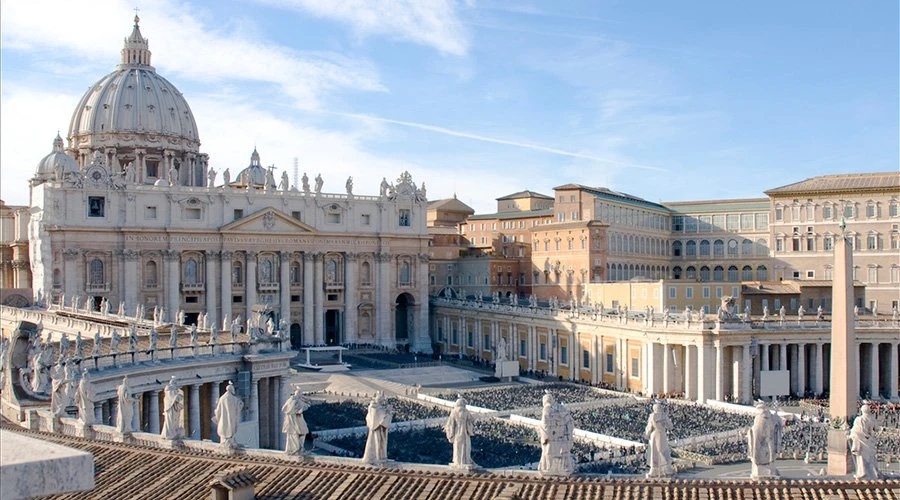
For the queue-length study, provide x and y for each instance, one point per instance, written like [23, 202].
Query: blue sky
[664, 100]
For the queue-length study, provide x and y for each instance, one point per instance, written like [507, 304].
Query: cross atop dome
[136, 51]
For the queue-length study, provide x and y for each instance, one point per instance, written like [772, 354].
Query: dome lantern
[136, 51]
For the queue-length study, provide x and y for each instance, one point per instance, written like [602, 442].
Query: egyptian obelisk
[844, 372]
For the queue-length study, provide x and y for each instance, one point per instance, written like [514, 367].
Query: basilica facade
[129, 210]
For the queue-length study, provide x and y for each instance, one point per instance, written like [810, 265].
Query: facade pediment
[267, 220]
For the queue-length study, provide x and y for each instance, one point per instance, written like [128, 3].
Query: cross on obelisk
[844, 369]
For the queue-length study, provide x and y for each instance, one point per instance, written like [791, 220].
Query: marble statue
[285, 183]
[173, 175]
[154, 341]
[349, 186]
[378, 420]
[195, 344]
[659, 455]
[38, 370]
[124, 408]
[214, 339]
[227, 416]
[4, 355]
[173, 408]
[59, 391]
[863, 444]
[235, 328]
[820, 314]
[179, 316]
[270, 327]
[384, 187]
[75, 300]
[84, 399]
[71, 383]
[555, 435]
[226, 322]
[120, 312]
[764, 443]
[855, 312]
[502, 350]
[270, 178]
[801, 311]
[294, 427]
[459, 429]
[173, 340]
[211, 177]
[319, 183]
[226, 178]
[765, 315]
[114, 340]
[781, 314]
[64, 346]
[129, 173]
[95, 349]
[104, 307]
[89, 304]
[133, 340]
[305, 183]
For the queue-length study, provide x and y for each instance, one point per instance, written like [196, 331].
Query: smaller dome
[255, 174]
[56, 161]
[161, 183]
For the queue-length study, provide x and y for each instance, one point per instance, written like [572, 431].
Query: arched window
[719, 248]
[704, 248]
[191, 276]
[266, 270]
[762, 274]
[237, 274]
[691, 273]
[296, 273]
[691, 248]
[732, 273]
[732, 248]
[719, 273]
[746, 247]
[97, 275]
[704, 273]
[57, 278]
[365, 272]
[150, 274]
[405, 274]
[676, 273]
[747, 273]
[762, 247]
[676, 249]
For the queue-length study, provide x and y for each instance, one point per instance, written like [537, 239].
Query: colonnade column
[782, 357]
[136, 414]
[275, 411]
[282, 397]
[617, 363]
[154, 412]
[704, 385]
[98, 412]
[211, 292]
[213, 400]
[318, 302]
[194, 411]
[254, 400]
[818, 369]
[764, 357]
[173, 283]
[874, 371]
[250, 299]
[667, 369]
[308, 336]
[532, 344]
[689, 374]
[746, 374]
[225, 257]
[284, 287]
[351, 263]
[801, 369]
[894, 360]
[720, 372]
[421, 337]
[133, 279]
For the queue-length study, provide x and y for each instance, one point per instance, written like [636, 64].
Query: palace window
[732, 273]
[704, 273]
[96, 206]
[747, 273]
[150, 213]
[610, 362]
[296, 273]
[405, 273]
[97, 275]
[191, 272]
[237, 274]
[762, 274]
[564, 355]
[718, 274]
[57, 278]
[365, 271]
[404, 217]
[826, 211]
[704, 248]
[150, 274]
[691, 248]
[870, 210]
[523, 348]
[746, 247]
[676, 249]
[779, 213]
[266, 270]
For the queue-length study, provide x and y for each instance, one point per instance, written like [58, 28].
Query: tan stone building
[15, 266]
[806, 218]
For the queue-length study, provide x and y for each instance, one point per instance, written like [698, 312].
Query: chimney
[233, 484]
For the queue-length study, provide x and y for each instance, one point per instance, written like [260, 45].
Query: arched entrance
[296, 337]
[333, 326]
[403, 317]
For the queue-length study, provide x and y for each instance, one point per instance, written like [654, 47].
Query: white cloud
[433, 23]
[185, 44]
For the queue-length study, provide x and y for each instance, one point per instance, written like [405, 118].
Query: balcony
[192, 287]
[267, 287]
[96, 287]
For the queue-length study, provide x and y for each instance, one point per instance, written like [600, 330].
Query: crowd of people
[527, 396]
[346, 414]
[628, 421]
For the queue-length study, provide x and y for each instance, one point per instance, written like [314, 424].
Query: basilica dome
[57, 162]
[255, 174]
[134, 107]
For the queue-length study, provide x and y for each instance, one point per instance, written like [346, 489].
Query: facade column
[319, 302]
[212, 300]
[154, 412]
[894, 371]
[818, 369]
[98, 413]
[704, 384]
[617, 364]
[275, 403]
[284, 287]
[173, 283]
[250, 299]
[746, 394]
[801, 369]
[136, 413]
[764, 357]
[70, 268]
[351, 293]
[782, 356]
[421, 337]
[532, 347]
[265, 411]
[226, 286]
[194, 411]
[213, 400]
[667, 369]
[308, 337]
[384, 308]
[285, 392]
[254, 400]
[133, 278]
[874, 371]
[720, 372]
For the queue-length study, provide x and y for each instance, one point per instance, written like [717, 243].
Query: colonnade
[262, 405]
